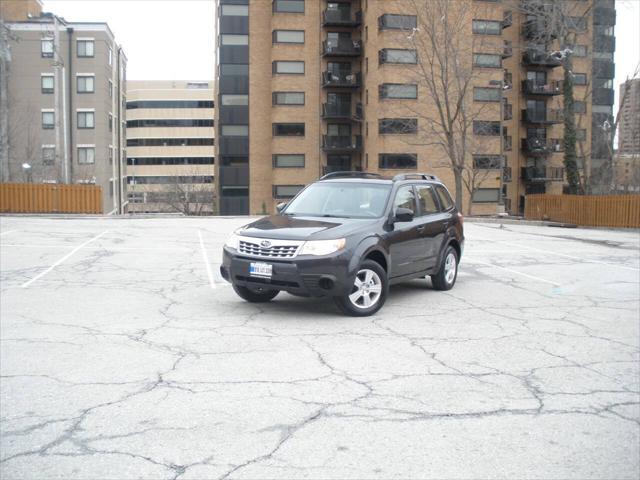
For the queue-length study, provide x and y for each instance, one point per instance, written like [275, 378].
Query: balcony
[538, 58]
[542, 174]
[338, 18]
[341, 111]
[507, 49]
[538, 29]
[537, 146]
[507, 143]
[602, 96]
[542, 117]
[342, 48]
[530, 87]
[341, 80]
[507, 19]
[507, 112]
[506, 174]
[341, 143]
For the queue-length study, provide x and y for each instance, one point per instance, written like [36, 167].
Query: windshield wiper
[328, 215]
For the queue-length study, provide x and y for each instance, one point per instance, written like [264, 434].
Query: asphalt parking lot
[125, 355]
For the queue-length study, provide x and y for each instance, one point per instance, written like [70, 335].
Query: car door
[404, 241]
[432, 225]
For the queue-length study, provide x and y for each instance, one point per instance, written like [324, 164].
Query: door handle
[421, 228]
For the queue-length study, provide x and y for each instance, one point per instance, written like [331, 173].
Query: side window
[405, 198]
[445, 198]
[426, 199]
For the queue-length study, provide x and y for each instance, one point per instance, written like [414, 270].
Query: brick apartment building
[309, 87]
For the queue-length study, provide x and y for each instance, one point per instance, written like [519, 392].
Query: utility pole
[5, 61]
[59, 110]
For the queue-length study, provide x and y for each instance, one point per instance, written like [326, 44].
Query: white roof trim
[86, 145]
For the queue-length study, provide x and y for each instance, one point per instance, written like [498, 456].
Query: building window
[288, 98]
[86, 119]
[578, 50]
[85, 48]
[487, 162]
[487, 27]
[398, 91]
[397, 22]
[288, 36]
[579, 78]
[397, 55]
[288, 161]
[484, 94]
[602, 83]
[48, 120]
[170, 122]
[288, 6]
[486, 128]
[230, 69]
[235, 10]
[398, 126]
[110, 87]
[577, 23]
[288, 129]
[579, 107]
[46, 48]
[235, 100]
[86, 155]
[110, 56]
[48, 154]
[110, 120]
[169, 142]
[289, 67]
[402, 161]
[234, 39]
[487, 60]
[286, 191]
[486, 195]
[46, 83]
[85, 83]
[234, 130]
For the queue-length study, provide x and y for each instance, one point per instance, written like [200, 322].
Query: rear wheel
[445, 279]
[255, 296]
[369, 291]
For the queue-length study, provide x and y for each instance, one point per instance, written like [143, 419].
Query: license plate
[259, 269]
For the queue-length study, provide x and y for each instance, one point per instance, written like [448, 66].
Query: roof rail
[347, 174]
[411, 176]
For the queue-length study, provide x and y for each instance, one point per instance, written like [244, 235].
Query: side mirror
[281, 206]
[404, 215]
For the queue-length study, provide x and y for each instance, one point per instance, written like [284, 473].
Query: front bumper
[305, 275]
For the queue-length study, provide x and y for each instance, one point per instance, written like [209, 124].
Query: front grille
[277, 249]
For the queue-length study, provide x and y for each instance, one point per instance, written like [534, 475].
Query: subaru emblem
[265, 243]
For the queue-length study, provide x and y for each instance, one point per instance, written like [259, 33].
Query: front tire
[255, 296]
[369, 291]
[446, 277]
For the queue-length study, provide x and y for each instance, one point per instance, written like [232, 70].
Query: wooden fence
[587, 210]
[49, 198]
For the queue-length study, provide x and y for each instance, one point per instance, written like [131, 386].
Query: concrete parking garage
[124, 355]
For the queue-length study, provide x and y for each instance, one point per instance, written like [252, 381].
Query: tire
[372, 294]
[446, 277]
[255, 296]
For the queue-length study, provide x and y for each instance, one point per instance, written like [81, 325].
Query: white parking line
[7, 233]
[516, 272]
[581, 259]
[41, 274]
[206, 261]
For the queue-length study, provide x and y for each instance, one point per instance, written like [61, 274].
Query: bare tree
[188, 193]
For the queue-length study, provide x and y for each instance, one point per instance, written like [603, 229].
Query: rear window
[445, 198]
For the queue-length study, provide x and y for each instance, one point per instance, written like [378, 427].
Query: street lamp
[26, 168]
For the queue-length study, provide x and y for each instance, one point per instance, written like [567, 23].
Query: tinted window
[445, 198]
[396, 55]
[482, 127]
[485, 94]
[398, 125]
[395, 90]
[288, 6]
[288, 98]
[288, 67]
[400, 22]
[426, 200]
[288, 129]
[487, 60]
[288, 36]
[405, 198]
[288, 160]
[487, 27]
[398, 160]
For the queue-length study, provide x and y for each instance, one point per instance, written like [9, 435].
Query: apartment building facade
[310, 87]
[170, 147]
[629, 126]
[64, 109]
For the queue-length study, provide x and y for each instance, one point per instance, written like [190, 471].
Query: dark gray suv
[349, 236]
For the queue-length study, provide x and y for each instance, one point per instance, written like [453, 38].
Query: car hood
[305, 228]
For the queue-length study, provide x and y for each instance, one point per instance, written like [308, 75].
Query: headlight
[233, 241]
[322, 247]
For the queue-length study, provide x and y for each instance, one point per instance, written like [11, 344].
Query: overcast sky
[174, 39]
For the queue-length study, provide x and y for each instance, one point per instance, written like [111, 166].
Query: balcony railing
[342, 48]
[507, 144]
[507, 111]
[341, 80]
[536, 57]
[506, 174]
[507, 19]
[530, 87]
[542, 117]
[541, 146]
[542, 174]
[507, 49]
[341, 111]
[338, 18]
[345, 143]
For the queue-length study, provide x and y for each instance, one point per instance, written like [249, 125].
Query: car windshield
[342, 200]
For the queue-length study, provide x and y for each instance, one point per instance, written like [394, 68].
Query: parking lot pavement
[124, 355]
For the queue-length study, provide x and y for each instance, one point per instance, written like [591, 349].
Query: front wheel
[255, 296]
[445, 279]
[369, 291]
